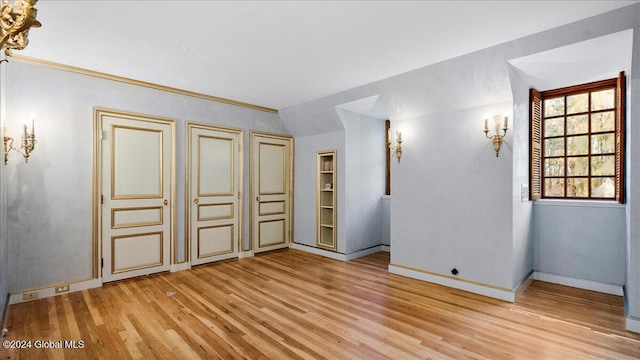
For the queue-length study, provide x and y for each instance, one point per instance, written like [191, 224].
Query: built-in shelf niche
[326, 199]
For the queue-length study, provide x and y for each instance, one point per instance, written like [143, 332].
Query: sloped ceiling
[591, 60]
[282, 53]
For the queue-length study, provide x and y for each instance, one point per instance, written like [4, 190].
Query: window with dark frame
[387, 175]
[577, 141]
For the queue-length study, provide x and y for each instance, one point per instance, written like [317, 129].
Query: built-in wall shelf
[326, 199]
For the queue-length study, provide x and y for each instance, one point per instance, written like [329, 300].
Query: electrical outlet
[33, 295]
[62, 288]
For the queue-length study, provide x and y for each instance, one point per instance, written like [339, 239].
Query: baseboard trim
[385, 248]
[321, 252]
[523, 285]
[456, 283]
[245, 254]
[633, 324]
[180, 267]
[337, 255]
[364, 252]
[578, 283]
[5, 317]
[49, 291]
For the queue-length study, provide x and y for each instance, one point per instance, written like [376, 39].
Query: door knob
[166, 202]
[257, 198]
[196, 200]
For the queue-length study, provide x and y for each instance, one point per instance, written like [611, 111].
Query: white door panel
[214, 191]
[136, 251]
[215, 240]
[136, 182]
[136, 162]
[215, 168]
[272, 162]
[272, 177]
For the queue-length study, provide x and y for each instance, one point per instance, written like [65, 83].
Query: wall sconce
[15, 24]
[27, 144]
[398, 148]
[496, 138]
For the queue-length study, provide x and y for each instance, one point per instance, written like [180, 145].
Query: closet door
[271, 177]
[214, 188]
[137, 157]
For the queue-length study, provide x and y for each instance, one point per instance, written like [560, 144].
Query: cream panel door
[214, 189]
[271, 191]
[136, 180]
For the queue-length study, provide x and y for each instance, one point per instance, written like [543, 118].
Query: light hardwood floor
[290, 304]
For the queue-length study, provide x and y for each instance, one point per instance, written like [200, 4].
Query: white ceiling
[586, 61]
[282, 53]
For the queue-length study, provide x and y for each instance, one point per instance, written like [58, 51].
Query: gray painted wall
[581, 242]
[364, 178]
[4, 243]
[451, 198]
[385, 224]
[633, 175]
[453, 202]
[306, 148]
[522, 227]
[49, 203]
[361, 159]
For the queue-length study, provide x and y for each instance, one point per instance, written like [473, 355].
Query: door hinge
[102, 263]
[101, 199]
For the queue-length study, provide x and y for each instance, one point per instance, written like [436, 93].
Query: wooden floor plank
[295, 305]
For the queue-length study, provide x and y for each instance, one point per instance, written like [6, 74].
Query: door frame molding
[252, 195]
[98, 113]
[191, 125]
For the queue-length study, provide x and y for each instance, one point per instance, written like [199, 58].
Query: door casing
[189, 201]
[256, 137]
[98, 208]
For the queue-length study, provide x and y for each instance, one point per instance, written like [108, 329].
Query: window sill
[579, 203]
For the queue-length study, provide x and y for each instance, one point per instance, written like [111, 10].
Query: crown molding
[51, 64]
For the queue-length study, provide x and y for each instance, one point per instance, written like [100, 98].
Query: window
[577, 141]
[387, 144]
